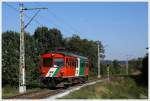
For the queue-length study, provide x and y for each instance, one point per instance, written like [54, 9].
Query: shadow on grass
[140, 80]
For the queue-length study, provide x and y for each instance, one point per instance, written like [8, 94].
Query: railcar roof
[70, 54]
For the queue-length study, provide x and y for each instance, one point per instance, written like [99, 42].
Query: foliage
[144, 70]
[47, 39]
[115, 67]
[9, 91]
[119, 67]
[135, 64]
[10, 58]
[121, 88]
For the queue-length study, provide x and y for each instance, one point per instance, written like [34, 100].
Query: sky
[122, 27]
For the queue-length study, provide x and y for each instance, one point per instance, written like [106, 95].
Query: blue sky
[122, 27]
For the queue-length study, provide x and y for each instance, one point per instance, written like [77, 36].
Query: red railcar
[63, 67]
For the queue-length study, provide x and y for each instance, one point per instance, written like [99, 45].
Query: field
[116, 88]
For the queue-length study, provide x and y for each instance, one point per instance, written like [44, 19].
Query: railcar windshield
[47, 62]
[59, 62]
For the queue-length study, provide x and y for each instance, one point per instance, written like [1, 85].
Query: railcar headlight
[53, 55]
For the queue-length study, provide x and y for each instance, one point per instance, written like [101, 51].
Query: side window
[85, 64]
[73, 64]
[81, 64]
[66, 62]
[69, 62]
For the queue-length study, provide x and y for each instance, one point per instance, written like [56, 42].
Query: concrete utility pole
[98, 60]
[22, 83]
[108, 72]
[127, 68]
[127, 64]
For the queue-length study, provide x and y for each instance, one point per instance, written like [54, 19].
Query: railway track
[40, 94]
[36, 94]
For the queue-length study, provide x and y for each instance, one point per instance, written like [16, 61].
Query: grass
[9, 91]
[121, 88]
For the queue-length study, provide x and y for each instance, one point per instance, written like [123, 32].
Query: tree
[115, 69]
[135, 65]
[47, 39]
[42, 39]
[56, 38]
[144, 70]
[10, 58]
[31, 61]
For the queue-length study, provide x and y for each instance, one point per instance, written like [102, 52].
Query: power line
[12, 7]
[53, 14]
[15, 9]
[31, 19]
[54, 23]
[62, 20]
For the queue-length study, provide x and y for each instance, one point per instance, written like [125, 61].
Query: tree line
[137, 69]
[43, 40]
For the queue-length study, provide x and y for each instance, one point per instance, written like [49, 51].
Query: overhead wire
[15, 9]
[56, 24]
[54, 15]
[63, 21]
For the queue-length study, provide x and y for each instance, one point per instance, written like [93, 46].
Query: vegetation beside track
[117, 88]
[9, 91]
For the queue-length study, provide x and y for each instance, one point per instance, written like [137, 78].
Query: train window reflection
[59, 62]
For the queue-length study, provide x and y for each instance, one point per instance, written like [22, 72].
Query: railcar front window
[59, 62]
[47, 62]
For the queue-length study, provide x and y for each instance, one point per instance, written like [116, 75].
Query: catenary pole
[98, 60]
[108, 73]
[127, 67]
[127, 64]
[22, 76]
[22, 84]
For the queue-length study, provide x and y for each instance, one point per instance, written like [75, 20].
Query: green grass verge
[125, 88]
[9, 91]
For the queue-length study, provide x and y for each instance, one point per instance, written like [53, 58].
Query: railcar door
[77, 68]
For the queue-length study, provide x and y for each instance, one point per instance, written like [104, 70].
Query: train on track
[63, 68]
